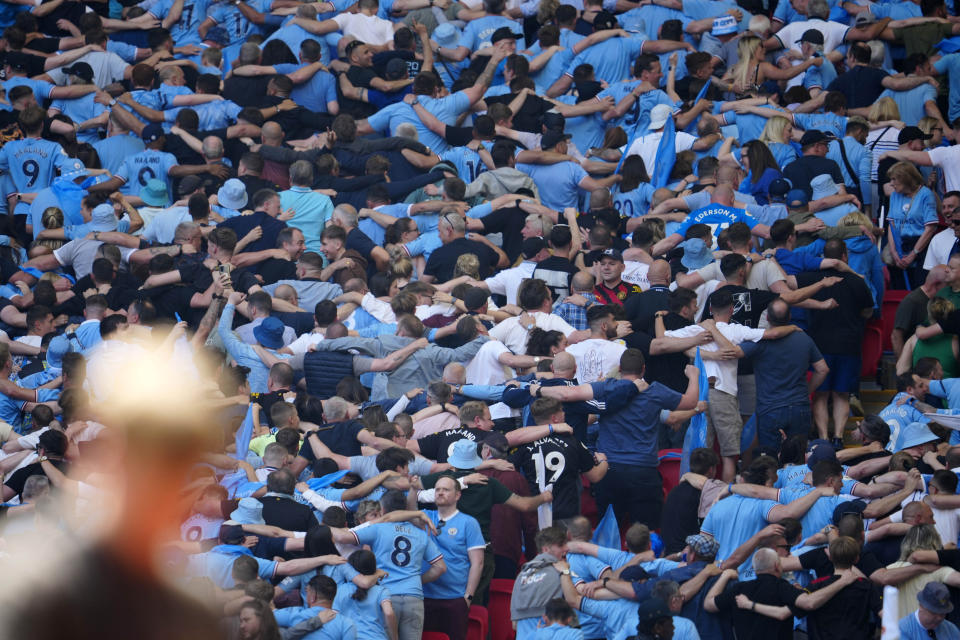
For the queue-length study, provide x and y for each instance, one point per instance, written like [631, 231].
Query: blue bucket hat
[696, 254]
[248, 511]
[269, 333]
[464, 455]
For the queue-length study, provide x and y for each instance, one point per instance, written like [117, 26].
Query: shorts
[723, 419]
[747, 394]
[844, 375]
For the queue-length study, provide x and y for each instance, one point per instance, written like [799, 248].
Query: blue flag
[607, 533]
[949, 45]
[666, 156]
[692, 127]
[244, 433]
[696, 436]
[640, 129]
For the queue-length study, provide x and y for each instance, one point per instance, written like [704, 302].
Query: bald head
[660, 195]
[454, 373]
[564, 365]
[936, 277]
[582, 282]
[723, 194]
[212, 148]
[271, 131]
[728, 174]
[335, 330]
[659, 272]
[600, 199]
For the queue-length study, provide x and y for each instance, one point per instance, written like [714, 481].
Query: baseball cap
[705, 546]
[651, 611]
[504, 33]
[812, 36]
[849, 506]
[73, 168]
[396, 69]
[864, 18]
[605, 20]
[533, 246]
[613, 254]
[724, 26]
[152, 132]
[796, 198]
[188, 185]
[552, 138]
[218, 35]
[80, 69]
[909, 134]
[779, 187]
[813, 136]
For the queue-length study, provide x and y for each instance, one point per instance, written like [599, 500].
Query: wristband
[753, 606]
[730, 487]
[550, 427]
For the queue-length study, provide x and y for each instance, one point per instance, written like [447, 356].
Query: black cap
[475, 298]
[504, 33]
[552, 138]
[231, 534]
[496, 440]
[611, 253]
[635, 573]
[812, 36]
[553, 120]
[188, 185]
[587, 89]
[533, 246]
[909, 134]
[396, 69]
[18, 61]
[605, 20]
[850, 506]
[813, 136]
[651, 611]
[82, 70]
[779, 187]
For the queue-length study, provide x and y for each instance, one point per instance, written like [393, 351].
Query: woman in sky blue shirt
[913, 217]
[633, 195]
[370, 609]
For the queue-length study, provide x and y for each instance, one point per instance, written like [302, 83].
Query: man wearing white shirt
[646, 146]
[720, 362]
[534, 298]
[507, 282]
[597, 355]
[941, 245]
[364, 25]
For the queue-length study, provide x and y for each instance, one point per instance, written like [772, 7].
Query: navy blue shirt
[781, 367]
[628, 432]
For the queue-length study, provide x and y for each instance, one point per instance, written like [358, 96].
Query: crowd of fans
[443, 269]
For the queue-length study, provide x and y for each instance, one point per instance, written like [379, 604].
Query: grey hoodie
[537, 584]
[491, 184]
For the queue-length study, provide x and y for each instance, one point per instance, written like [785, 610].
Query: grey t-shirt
[366, 466]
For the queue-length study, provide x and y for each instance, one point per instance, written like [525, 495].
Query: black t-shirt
[171, 300]
[246, 91]
[848, 615]
[838, 331]
[912, 311]
[683, 504]
[274, 269]
[862, 85]
[243, 225]
[509, 221]
[748, 304]
[558, 460]
[557, 272]
[266, 401]
[444, 259]
[818, 561]
[437, 446]
[805, 168]
[380, 61]
[19, 477]
[181, 151]
[886, 550]
[530, 116]
[340, 437]
[362, 244]
[766, 589]
[641, 308]
[667, 368]
[254, 184]
[197, 275]
[361, 76]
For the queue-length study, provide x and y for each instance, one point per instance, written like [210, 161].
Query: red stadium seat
[434, 635]
[670, 468]
[479, 619]
[888, 312]
[499, 606]
[872, 349]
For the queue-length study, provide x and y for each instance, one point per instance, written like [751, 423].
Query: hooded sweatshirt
[491, 184]
[863, 257]
[537, 584]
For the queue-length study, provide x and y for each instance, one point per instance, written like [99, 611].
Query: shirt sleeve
[433, 552]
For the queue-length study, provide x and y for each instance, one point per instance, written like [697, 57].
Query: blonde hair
[773, 131]
[920, 537]
[907, 174]
[854, 219]
[884, 109]
[467, 265]
[51, 218]
[939, 308]
[401, 268]
[547, 11]
[746, 49]
[927, 125]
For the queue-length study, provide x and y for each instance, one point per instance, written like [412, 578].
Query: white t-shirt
[369, 29]
[762, 274]
[646, 147]
[833, 33]
[301, 345]
[636, 273]
[724, 371]
[938, 251]
[512, 334]
[947, 522]
[485, 368]
[948, 159]
[107, 68]
[595, 358]
[507, 282]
